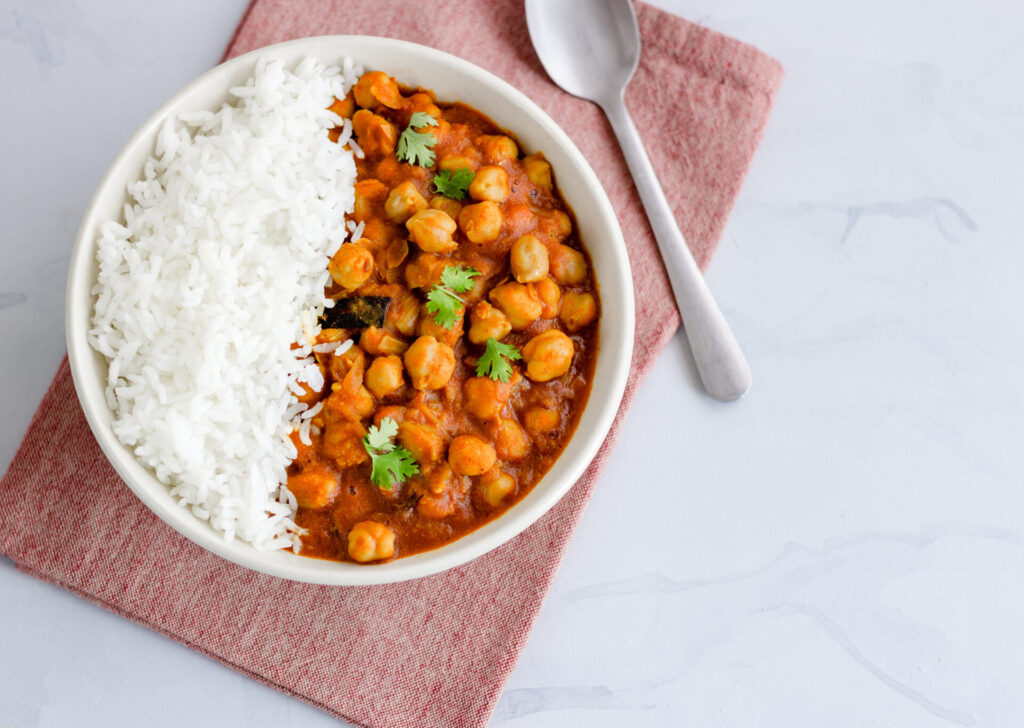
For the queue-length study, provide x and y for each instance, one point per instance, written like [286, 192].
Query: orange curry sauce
[480, 444]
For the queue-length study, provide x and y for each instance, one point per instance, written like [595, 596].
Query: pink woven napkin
[438, 651]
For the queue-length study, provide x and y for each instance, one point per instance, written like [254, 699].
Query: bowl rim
[456, 553]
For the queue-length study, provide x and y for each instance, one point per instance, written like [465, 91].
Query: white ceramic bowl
[453, 80]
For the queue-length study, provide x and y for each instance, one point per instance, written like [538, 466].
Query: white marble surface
[843, 547]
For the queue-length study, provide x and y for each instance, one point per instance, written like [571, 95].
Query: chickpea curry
[461, 350]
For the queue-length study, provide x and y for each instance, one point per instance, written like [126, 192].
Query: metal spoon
[591, 49]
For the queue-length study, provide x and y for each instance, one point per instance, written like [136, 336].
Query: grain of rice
[345, 346]
[313, 411]
[327, 347]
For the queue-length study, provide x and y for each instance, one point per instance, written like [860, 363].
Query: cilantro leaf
[393, 468]
[459, 279]
[495, 361]
[420, 119]
[379, 438]
[416, 147]
[391, 464]
[453, 184]
[442, 302]
[444, 306]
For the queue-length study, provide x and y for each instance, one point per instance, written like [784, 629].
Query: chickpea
[430, 363]
[369, 194]
[568, 266]
[577, 310]
[519, 302]
[423, 441]
[538, 170]
[403, 313]
[378, 341]
[343, 443]
[436, 505]
[487, 322]
[432, 230]
[550, 296]
[541, 420]
[441, 491]
[489, 183]
[370, 541]
[424, 270]
[352, 265]
[454, 162]
[403, 202]
[376, 87]
[423, 102]
[353, 406]
[557, 225]
[481, 222]
[485, 397]
[510, 442]
[469, 455]
[314, 487]
[437, 480]
[529, 259]
[497, 148]
[343, 107]
[548, 355]
[495, 484]
[429, 327]
[384, 376]
[375, 134]
[446, 205]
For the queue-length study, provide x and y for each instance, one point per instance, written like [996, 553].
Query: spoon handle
[723, 368]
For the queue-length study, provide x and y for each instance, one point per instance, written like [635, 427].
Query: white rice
[345, 346]
[325, 348]
[218, 268]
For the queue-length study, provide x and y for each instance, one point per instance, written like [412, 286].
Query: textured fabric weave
[438, 651]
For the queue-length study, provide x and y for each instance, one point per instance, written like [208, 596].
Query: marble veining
[840, 586]
[31, 32]
[924, 208]
[47, 30]
[11, 298]
[520, 702]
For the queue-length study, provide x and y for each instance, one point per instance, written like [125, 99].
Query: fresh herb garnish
[495, 361]
[442, 302]
[391, 464]
[453, 184]
[416, 147]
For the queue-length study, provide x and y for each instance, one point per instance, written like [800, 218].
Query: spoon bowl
[588, 48]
